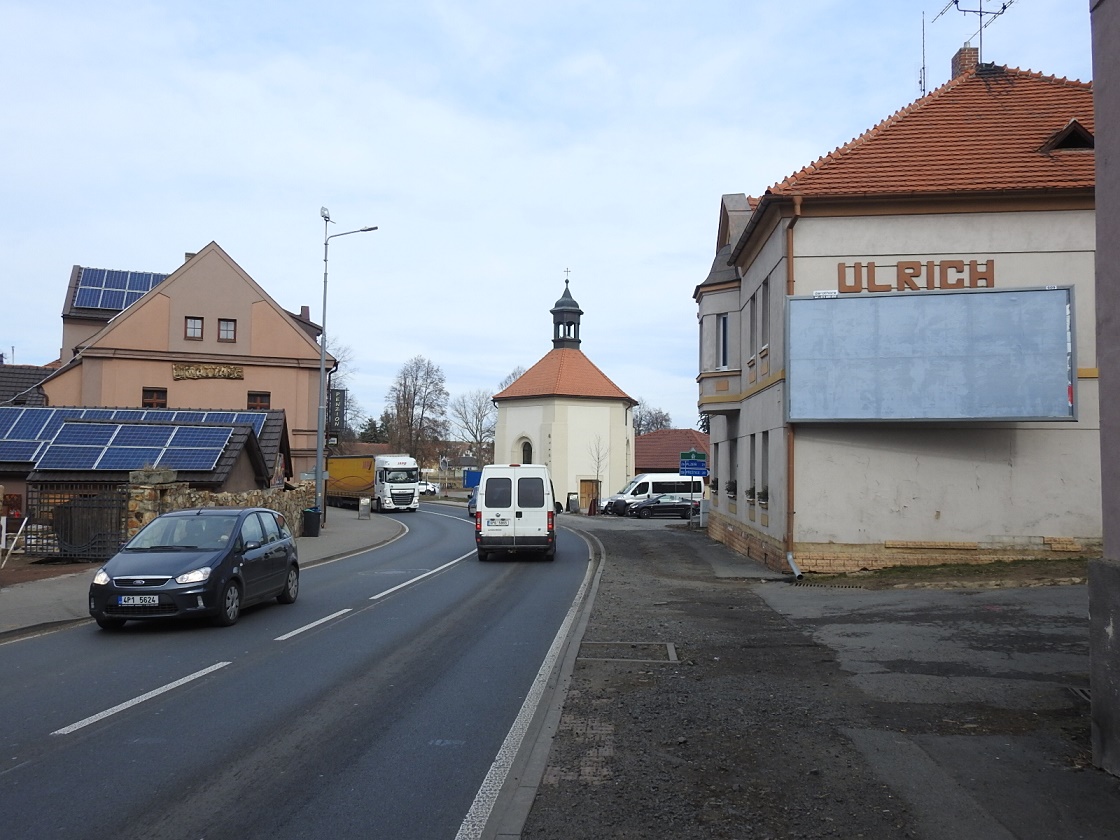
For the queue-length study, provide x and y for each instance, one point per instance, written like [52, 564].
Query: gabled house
[660, 451]
[205, 336]
[567, 414]
[906, 421]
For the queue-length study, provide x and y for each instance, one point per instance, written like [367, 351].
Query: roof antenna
[922, 74]
[980, 13]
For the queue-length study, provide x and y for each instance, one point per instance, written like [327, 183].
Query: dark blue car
[207, 562]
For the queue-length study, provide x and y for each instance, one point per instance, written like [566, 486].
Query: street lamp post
[321, 431]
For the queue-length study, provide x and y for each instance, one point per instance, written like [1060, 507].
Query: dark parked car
[472, 502]
[212, 561]
[667, 504]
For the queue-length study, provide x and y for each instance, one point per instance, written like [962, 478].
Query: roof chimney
[187, 257]
[305, 313]
[966, 59]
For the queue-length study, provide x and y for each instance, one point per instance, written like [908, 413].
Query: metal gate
[71, 522]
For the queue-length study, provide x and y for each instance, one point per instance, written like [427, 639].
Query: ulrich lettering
[916, 275]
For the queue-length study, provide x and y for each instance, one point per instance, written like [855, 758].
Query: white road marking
[411, 581]
[475, 821]
[128, 704]
[322, 620]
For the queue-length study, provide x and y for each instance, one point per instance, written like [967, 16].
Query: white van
[516, 510]
[648, 485]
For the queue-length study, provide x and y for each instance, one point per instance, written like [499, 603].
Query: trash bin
[363, 507]
[311, 522]
[573, 503]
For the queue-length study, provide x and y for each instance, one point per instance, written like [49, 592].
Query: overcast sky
[494, 144]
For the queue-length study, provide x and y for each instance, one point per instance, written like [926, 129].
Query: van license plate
[497, 523]
[138, 601]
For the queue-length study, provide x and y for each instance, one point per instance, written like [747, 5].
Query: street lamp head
[325, 213]
[367, 229]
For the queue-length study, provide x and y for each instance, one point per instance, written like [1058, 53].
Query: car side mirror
[249, 546]
[559, 508]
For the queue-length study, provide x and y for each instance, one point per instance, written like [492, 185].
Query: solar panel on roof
[190, 416]
[220, 417]
[55, 421]
[255, 419]
[58, 457]
[159, 415]
[189, 459]
[19, 450]
[87, 434]
[99, 288]
[142, 436]
[29, 425]
[127, 414]
[201, 436]
[128, 457]
[8, 416]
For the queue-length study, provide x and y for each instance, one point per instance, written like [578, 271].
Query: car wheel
[483, 555]
[111, 623]
[645, 513]
[550, 554]
[229, 605]
[685, 515]
[291, 587]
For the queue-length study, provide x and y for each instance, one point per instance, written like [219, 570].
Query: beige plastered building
[208, 336]
[986, 183]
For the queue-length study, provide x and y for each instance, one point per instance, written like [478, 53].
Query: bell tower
[565, 322]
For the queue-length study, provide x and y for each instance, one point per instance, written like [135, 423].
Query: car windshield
[187, 533]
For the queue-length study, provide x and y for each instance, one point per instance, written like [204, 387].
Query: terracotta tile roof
[564, 372]
[660, 451]
[987, 129]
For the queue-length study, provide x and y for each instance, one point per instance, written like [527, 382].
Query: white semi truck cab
[396, 483]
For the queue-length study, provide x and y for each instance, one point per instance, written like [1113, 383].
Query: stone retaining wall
[152, 492]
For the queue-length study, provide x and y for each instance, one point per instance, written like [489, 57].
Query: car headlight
[101, 578]
[197, 576]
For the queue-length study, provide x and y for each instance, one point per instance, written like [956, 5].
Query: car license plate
[498, 523]
[138, 601]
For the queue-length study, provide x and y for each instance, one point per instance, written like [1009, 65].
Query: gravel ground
[739, 738]
[752, 731]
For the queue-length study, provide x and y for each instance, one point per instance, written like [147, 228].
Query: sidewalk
[62, 599]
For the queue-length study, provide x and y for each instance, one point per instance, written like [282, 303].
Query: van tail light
[478, 522]
[551, 521]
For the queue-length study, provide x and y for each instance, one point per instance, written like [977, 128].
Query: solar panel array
[172, 438]
[102, 288]
[117, 446]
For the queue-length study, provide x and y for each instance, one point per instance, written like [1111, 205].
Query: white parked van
[516, 510]
[648, 485]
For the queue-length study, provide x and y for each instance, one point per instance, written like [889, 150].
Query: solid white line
[137, 700]
[475, 821]
[411, 581]
[323, 620]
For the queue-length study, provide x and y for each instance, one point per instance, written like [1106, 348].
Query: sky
[499, 147]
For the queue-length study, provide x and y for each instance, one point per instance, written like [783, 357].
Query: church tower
[565, 321]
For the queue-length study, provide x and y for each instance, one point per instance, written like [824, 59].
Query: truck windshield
[401, 476]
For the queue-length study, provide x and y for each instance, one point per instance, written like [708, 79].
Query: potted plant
[764, 496]
[715, 485]
[751, 495]
[732, 487]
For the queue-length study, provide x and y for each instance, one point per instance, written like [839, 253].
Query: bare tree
[474, 417]
[648, 419]
[417, 405]
[514, 375]
[599, 453]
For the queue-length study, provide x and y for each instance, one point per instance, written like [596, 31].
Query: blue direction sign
[693, 465]
[702, 471]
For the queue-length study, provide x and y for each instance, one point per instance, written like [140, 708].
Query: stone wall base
[832, 558]
[148, 500]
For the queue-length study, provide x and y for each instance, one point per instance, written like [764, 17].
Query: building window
[764, 325]
[259, 401]
[526, 453]
[154, 398]
[227, 329]
[193, 328]
[752, 318]
[721, 339]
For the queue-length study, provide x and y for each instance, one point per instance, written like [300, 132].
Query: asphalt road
[372, 707]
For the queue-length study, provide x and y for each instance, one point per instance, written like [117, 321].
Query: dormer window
[1073, 137]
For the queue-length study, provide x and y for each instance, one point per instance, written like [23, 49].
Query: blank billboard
[990, 354]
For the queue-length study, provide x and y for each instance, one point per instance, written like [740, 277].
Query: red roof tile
[564, 372]
[984, 130]
[660, 451]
